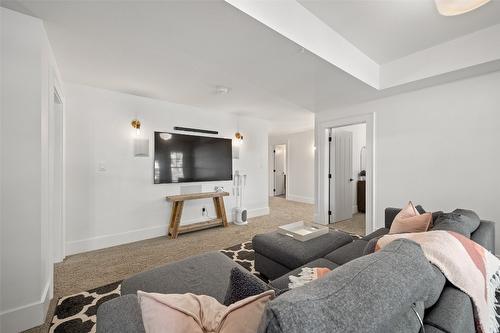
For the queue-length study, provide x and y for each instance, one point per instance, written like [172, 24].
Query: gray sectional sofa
[277, 266]
[380, 292]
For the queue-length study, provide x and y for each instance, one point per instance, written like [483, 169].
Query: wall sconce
[236, 145]
[238, 136]
[136, 123]
[141, 146]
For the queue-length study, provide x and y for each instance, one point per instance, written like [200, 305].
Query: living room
[92, 91]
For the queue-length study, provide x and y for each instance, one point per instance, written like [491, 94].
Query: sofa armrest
[485, 235]
[390, 214]
[122, 314]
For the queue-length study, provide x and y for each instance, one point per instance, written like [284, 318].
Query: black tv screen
[183, 158]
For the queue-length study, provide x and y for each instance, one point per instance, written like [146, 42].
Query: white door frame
[59, 232]
[286, 166]
[322, 158]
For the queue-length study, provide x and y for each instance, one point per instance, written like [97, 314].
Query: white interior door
[279, 169]
[341, 176]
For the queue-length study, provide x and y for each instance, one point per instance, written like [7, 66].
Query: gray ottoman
[276, 254]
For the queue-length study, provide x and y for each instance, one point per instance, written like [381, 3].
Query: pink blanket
[466, 264]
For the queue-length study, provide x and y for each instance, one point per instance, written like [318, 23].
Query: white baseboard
[26, 316]
[293, 197]
[101, 242]
[258, 212]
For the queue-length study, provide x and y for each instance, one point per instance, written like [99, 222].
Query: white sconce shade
[457, 7]
[141, 147]
[236, 152]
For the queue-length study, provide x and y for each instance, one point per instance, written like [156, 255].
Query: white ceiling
[386, 30]
[181, 50]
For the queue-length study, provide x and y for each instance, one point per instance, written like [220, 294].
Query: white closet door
[341, 176]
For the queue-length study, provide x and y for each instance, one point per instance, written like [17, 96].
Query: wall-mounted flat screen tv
[183, 158]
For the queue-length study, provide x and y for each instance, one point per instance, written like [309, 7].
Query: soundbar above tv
[181, 158]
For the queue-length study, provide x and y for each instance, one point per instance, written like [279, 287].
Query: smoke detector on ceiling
[221, 90]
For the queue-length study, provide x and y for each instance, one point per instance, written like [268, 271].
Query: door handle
[350, 179]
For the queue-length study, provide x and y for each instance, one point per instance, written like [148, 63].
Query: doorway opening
[347, 178]
[280, 171]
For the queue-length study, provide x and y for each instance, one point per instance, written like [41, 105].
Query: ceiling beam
[292, 20]
[469, 51]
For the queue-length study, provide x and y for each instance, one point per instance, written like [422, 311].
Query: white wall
[28, 73]
[300, 165]
[122, 204]
[358, 141]
[437, 146]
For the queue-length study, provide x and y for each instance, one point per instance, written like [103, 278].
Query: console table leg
[175, 220]
[221, 210]
[217, 208]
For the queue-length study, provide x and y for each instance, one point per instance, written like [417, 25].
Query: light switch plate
[101, 167]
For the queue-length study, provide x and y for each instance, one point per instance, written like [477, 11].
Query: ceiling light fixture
[165, 136]
[458, 7]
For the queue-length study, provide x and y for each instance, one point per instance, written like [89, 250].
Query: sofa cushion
[281, 283]
[432, 329]
[420, 209]
[463, 221]
[205, 274]
[347, 252]
[376, 234]
[370, 294]
[268, 268]
[485, 235]
[371, 246]
[121, 314]
[452, 313]
[292, 253]
[436, 288]
[242, 285]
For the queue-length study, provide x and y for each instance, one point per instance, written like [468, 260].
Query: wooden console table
[178, 203]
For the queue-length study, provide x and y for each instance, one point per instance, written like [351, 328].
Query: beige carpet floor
[89, 270]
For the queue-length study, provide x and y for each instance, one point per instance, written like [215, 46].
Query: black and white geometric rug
[77, 313]
[244, 255]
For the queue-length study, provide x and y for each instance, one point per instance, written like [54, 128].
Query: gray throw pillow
[462, 221]
[243, 285]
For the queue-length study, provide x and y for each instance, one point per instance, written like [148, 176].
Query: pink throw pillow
[409, 220]
[189, 313]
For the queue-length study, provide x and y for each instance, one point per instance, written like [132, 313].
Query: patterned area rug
[77, 313]
[244, 255]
